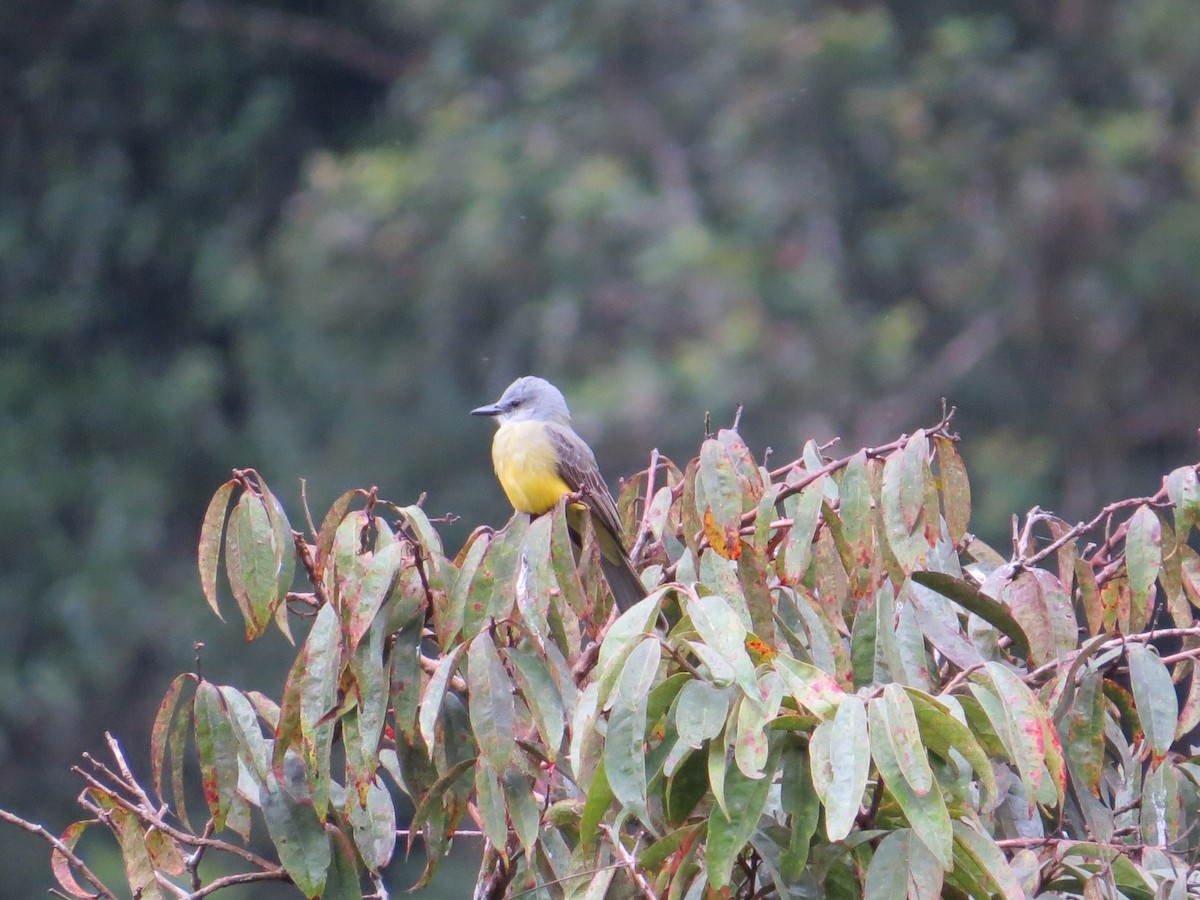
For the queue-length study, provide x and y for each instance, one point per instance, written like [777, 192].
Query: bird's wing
[577, 467]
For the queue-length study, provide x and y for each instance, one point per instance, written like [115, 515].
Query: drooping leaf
[745, 799]
[211, 531]
[217, 750]
[299, 837]
[492, 711]
[850, 767]
[927, 814]
[1143, 561]
[956, 489]
[1154, 696]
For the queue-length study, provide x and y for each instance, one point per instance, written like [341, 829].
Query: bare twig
[62, 849]
[629, 863]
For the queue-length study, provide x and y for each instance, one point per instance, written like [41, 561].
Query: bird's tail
[623, 581]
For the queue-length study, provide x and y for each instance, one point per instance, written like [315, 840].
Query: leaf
[624, 754]
[599, 797]
[850, 766]
[905, 736]
[815, 690]
[299, 838]
[321, 671]
[1154, 696]
[1183, 489]
[211, 532]
[435, 691]
[522, 809]
[492, 711]
[746, 799]
[217, 750]
[973, 600]
[956, 489]
[372, 584]
[541, 695]
[723, 631]
[941, 732]
[160, 732]
[927, 814]
[804, 510]
[489, 797]
[329, 527]
[750, 739]
[988, 856]
[719, 499]
[1029, 736]
[373, 826]
[1143, 560]
[252, 562]
[700, 712]
[61, 866]
[902, 867]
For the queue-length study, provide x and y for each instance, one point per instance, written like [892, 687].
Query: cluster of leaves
[832, 688]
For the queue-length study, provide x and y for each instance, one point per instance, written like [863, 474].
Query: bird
[538, 458]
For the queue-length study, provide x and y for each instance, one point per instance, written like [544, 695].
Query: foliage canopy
[852, 696]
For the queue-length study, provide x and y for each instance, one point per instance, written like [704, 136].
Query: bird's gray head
[529, 397]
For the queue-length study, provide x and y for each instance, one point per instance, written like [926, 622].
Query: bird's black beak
[491, 409]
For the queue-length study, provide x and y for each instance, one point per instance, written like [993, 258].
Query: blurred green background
[309, 236]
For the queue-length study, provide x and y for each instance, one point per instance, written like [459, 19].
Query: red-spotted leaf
[217, 749]
[956, 489]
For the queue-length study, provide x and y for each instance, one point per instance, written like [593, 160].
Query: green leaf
[724, 632]
[599, 798]
[492, 711]
[746, 799]
[905, 476]
[902, 867]
[905, 736]
[700, 712]
[815, 690]
[435, 691]
[211, 531]
[988, 856]
[941, 732]
[973, 600]
[1183, 489]
[804, 510]
[373, 825]
[1143, 560]
[373, 582]
[342, 882]
[252, 562]
[298, 836]
[850, 766]
[927, 814]
[522, 809]
[719, 499]
[624, 758]
[1154, 696]
[329, 527]
[540, 693]
[322, 666]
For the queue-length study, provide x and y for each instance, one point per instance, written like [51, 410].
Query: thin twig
[62, 849]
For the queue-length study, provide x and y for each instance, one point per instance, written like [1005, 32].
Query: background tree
[302, 233]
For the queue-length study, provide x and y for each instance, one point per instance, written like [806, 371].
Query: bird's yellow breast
[527, 466]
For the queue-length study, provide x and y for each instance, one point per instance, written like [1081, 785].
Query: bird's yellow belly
[527, 467]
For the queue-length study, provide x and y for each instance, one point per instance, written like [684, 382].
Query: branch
[63, 849]
[630, 864]
[1143, 638]
[310, 34]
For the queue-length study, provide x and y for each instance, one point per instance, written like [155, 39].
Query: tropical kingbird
[538, 457]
